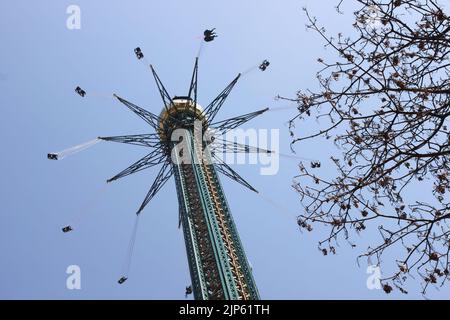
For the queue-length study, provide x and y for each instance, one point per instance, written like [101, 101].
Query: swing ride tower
[218, 265]
[217, 262]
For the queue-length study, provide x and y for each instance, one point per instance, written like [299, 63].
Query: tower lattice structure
[218, 265]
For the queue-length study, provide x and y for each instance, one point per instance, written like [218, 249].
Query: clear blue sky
[41, 62]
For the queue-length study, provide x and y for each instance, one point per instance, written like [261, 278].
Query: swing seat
[209, 35]
[52, 156]
[67, 229]
[122, 280]
[264, 65]
[80, 91]
[138, 53]
[188, 290]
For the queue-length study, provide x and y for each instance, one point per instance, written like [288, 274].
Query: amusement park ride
[217, 262]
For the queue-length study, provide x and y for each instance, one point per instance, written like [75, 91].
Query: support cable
[83, 210]
[285, 107]
[130, 251]
[200, 48]
[72, 150]
[280, 208]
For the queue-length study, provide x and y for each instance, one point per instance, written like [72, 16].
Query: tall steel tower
[217, 262]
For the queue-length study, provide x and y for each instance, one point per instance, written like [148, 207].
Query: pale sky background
[41, 62]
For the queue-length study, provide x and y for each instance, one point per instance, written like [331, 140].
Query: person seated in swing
[67, 229]
[188, 291]
[209, 35]
[122, 280]
[80, 91]
[264, 65]
[138, 53]
[52, 156]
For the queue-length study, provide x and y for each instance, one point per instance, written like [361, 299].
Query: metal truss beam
[151, 140]
[231, 123]
[224, 146]
[147, 116]
[225, 169]
[155, 157]
[213, 108]
[164, 174]
[167, 100]
[193, 88]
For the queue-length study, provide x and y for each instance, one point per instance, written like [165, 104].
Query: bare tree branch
[385, 102]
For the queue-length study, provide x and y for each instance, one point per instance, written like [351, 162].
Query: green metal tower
[217, 262]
